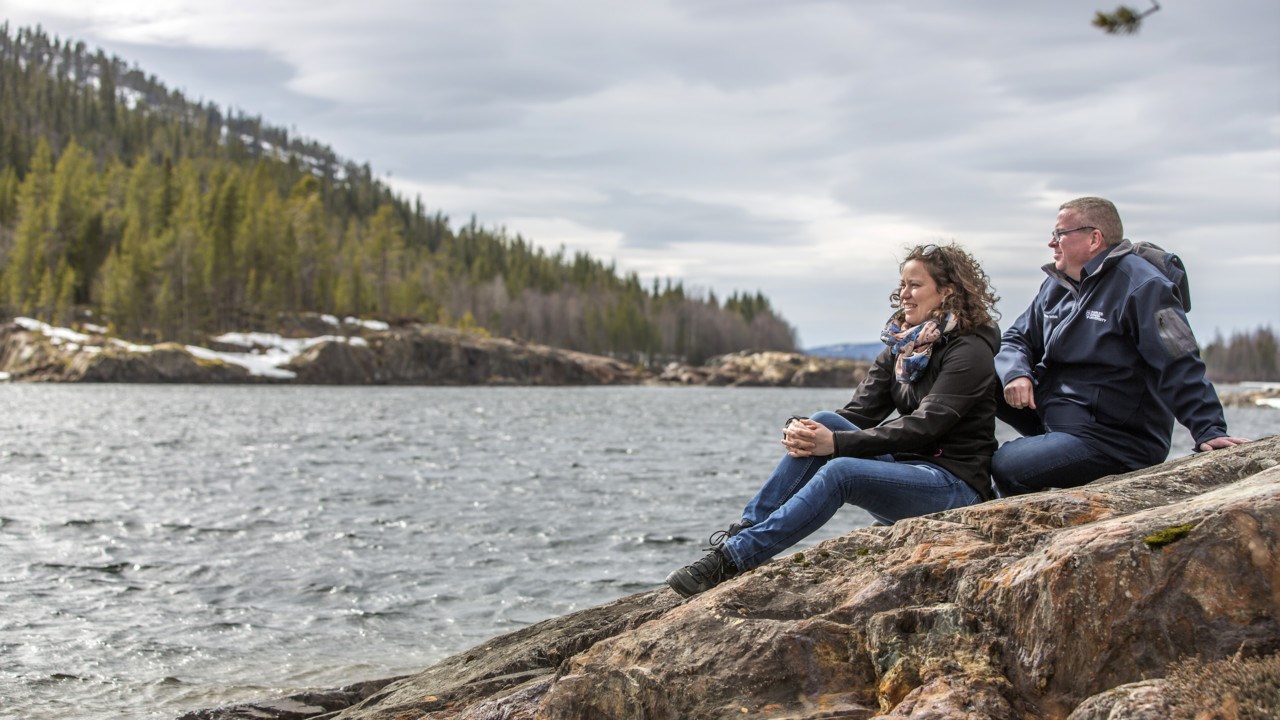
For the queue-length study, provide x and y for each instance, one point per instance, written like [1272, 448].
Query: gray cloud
[255, 82]
[657, 221]
[838, 131]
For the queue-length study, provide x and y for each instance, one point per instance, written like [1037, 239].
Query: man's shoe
[702, 575]
[718, 537]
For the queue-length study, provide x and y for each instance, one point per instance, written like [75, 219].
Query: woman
[938, 373]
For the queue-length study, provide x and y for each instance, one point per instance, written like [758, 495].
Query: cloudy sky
[793, 147]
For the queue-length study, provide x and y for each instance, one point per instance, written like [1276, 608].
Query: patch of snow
[272, 343]
[267, 351]
[264, 354]
[250, 339]
[376, 325]
[257, 365]
[56, 334]
[129, 346]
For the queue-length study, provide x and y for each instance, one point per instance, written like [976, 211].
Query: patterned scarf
[914, 345]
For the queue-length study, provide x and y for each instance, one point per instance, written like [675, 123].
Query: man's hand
[1221, 442]
[1020, 393]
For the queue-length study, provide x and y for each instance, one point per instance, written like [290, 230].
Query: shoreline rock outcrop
[435, 355]
[408, 355]
[1261, 395]
[32, 357]
[768, 369]
[1131, 597]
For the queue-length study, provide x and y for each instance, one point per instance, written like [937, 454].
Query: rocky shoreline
[1152, 596]
[408, 355]
[1260, 395]
[372, 353]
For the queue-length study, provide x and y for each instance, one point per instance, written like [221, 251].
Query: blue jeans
[1049, 460]
[802, 494]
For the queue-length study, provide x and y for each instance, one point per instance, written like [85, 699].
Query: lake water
[167, 548]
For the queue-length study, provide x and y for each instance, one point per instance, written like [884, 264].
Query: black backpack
[1172, 267]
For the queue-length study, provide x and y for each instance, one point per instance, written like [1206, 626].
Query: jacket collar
[1101, 263]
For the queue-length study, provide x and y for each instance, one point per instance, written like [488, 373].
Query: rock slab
[1119, 599]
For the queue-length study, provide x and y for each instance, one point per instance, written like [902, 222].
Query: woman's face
[920, 295]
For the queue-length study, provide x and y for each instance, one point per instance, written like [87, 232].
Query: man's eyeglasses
[1058, 234]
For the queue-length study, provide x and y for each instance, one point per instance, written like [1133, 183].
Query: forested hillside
[1250, 355]
[165, 218]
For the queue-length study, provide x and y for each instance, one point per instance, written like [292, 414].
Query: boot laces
[714, 568]
[718, 537]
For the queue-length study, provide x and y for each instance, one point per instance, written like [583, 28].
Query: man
[1097, 368]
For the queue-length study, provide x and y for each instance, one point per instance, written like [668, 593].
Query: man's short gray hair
[1101, 214]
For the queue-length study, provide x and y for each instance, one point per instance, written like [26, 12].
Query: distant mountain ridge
[866, 351]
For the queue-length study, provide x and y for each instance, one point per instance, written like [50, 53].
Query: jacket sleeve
[964, 378]
[872, 401]
[1166, 343]
[1022, 345]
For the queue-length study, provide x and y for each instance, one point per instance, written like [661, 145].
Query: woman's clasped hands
[803, 437]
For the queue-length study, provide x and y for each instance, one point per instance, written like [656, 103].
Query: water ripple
[166, 548]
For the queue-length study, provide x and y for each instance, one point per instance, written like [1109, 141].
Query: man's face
[1073, 249]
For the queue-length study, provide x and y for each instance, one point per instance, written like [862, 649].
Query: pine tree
[8, 196]
[182, 296]
[76, 219]
[26, 268]
[315, 247]
[384, 251]
[222, 223]
[128, 276]
[350, 295]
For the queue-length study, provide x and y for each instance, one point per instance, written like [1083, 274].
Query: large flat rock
[1031, 607]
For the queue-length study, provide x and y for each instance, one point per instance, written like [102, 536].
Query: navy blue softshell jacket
[1113, 360]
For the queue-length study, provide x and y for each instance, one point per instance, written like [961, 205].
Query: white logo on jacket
[1094, 315]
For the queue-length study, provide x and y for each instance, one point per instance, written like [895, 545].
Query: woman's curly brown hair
[972, 299]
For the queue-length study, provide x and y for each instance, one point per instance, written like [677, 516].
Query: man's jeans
[1051, 460]
[802, 494]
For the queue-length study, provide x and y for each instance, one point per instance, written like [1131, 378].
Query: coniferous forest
[167, 219]
[1244, 356]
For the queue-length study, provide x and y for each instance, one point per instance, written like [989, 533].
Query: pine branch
[1124, 21]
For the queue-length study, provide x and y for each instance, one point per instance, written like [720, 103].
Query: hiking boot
[703, 574]
[718, 537]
